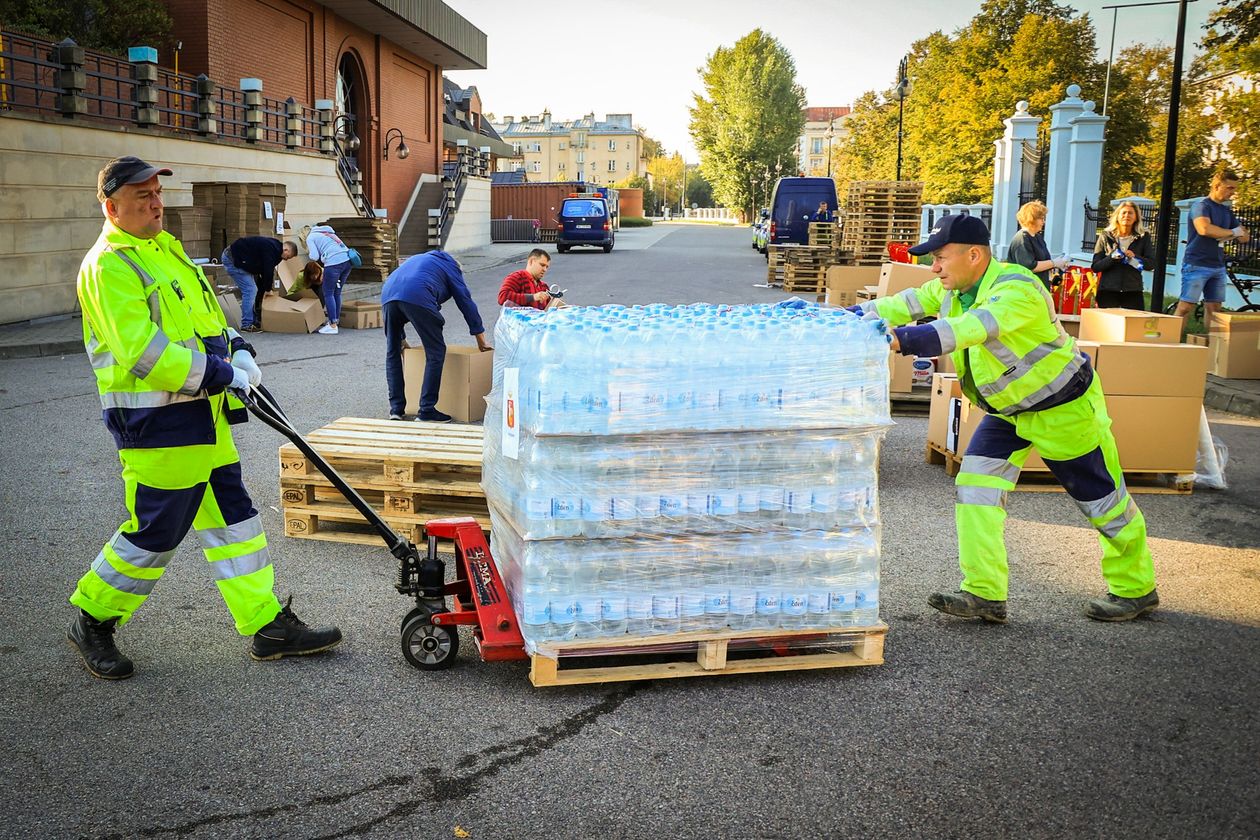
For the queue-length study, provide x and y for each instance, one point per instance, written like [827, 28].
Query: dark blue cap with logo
[125, 170]
[964, 230]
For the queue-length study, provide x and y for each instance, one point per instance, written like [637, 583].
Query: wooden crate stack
[408, 472]
[376, 240]
[825, 234]
[805, 267]
[191, 226]
[879, 212]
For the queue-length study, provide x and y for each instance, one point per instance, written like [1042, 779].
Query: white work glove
[1238, 231]
[243, 361]
[240, 380]
[1060, 262]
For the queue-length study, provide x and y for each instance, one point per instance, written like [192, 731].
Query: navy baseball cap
[965, 230]
[125, 170]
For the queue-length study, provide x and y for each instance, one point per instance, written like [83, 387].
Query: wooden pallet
[704, 655]
[408, 472]
[916, 403]
[1039, 481]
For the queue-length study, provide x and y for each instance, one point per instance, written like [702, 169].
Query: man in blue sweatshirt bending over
[414, 294]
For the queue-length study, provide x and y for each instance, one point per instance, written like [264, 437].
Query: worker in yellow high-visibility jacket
[165, 361]
[1014, 360]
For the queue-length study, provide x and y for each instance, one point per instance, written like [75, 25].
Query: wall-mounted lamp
[343, 127]
[403, 151]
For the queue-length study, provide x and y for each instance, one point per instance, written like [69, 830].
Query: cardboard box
[896, 277]
[361, 315]
[1153, 370]
[851, 278]
[466, 376]
[1197, 340]
[944, 388]
[1169, 445]
[1235, 345]
[867, 293]
[288, 271]
[1132, 325]
[231, 306]
[964, 418]
[839, 297]
[303, 315]
[1071, 325]
[909, 373]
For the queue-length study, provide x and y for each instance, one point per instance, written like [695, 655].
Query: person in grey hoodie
[326, 248]
[414, 293]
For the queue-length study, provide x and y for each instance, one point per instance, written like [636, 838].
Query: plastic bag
[1209, 464]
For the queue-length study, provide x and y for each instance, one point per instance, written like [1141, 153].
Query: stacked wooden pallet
[774, 265]
[805, 267]
[376, 240]
[826, 234]
[879, 212]
[408, 472]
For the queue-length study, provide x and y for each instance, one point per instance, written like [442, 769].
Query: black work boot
[95, 641]
[288, 635]
[1115, 608]
[965, 605]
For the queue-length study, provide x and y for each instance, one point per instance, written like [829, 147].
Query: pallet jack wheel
[427, 646]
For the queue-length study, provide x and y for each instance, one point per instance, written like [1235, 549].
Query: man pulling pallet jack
[1014, 360]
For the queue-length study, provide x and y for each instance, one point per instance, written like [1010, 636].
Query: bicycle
[1245, 288]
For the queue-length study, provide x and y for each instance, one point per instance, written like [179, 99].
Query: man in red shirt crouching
[525, 287]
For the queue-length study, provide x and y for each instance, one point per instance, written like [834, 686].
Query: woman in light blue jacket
[326, 248]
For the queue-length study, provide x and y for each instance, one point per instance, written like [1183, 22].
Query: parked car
[585, 220]
[792, 205]
[761, 230]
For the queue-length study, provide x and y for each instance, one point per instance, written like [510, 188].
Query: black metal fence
[1244, 255]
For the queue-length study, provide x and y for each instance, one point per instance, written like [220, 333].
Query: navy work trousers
[429, 325]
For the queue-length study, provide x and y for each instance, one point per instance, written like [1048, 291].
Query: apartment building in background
[603, 151]
[820, 140]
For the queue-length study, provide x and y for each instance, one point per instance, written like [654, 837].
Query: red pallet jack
[430, 632]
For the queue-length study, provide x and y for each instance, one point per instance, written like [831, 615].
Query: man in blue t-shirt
[1212, 224]
[414, 294]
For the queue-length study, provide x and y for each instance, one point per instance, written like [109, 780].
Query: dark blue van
[793, 205]
[584, 220]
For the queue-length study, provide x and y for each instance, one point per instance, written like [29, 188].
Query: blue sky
[653, 48]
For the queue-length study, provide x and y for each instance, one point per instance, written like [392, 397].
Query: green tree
[749, 117]
[699, 190]
[107, 25]
[652, 147]
[666, 173]
[638, 182]
[1233, 59]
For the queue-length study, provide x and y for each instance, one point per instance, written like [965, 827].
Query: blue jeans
[334, 278]
[246, 283]
[428, 324]
[1206, 281]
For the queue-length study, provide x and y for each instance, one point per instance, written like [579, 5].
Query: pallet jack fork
[430, 631]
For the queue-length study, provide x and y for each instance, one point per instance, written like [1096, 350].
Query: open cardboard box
[304, 314]
[466, 376]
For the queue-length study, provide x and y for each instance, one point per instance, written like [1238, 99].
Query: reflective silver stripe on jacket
[1044, 392]
[128, 552]
[947, 304]
[945, 334]
[98, 357]
[912, 303]
[121, 582]
[985, 496]
[246, 564]
[985, 317]
[1112, 529]
[149, 358]
[1098, 508]
[144, 399]
[150, 287]
[996, 467]
[231, 534]
[868, 307]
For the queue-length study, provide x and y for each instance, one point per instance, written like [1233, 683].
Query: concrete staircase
[413, 238]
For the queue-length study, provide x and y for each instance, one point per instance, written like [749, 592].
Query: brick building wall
[294, 47]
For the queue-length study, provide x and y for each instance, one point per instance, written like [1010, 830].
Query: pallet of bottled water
[616, 370]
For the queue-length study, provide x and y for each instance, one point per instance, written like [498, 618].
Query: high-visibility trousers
[1075, 441]
[168, 491]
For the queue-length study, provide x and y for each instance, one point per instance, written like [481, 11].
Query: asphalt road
[1052, 726]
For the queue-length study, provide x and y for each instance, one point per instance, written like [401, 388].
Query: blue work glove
[855, 309]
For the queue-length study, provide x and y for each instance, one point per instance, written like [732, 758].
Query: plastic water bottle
[691, 601]
[794, 599]
[743, 606]
[647, 475]
[768, 580]
[613, 589]
[588, 599]
[866, 601]
[665, 584]
[773, 493]
[715, 566]
[536, 602]
[560, 594]
[595, 478]
[639, 592]
[746, 468]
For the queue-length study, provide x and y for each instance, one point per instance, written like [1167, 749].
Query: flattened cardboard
[231, 305]
[466, 376]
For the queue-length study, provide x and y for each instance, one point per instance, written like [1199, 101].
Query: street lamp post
[901, 92]
[831, 132]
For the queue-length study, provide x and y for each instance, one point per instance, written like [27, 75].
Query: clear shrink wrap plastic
[665, 469]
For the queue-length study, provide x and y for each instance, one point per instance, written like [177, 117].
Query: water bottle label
[819, 603]
[538, 508]
[563, 612]
[743, 602]
[537, 613]
[723, 502]
[614, 608]
[772, 498]
[865, 599]
[639, 606]
[665, 606]
[841, 601]
[749, 499]
[565, 507]
[589, 608]
[794, 603]
[799, 501]
[647, 506]
[717, 603]
[596, 508]
[624, 507]
[674, 506]
[825, 499]
[697, 504]
[692, 604]
[767, 603]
